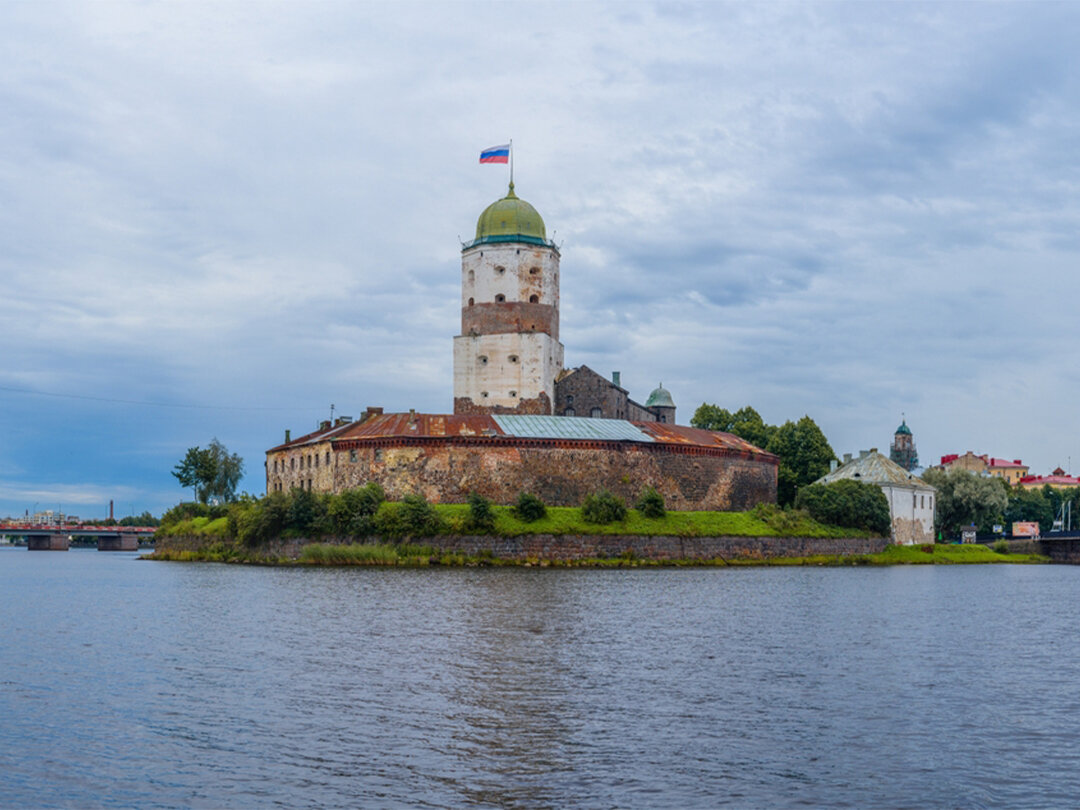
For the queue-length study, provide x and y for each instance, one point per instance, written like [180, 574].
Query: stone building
[911, 500]
[583, 392]
[521, 421]
[1011, 470]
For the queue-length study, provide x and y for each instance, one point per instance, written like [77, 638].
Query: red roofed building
[1057, 479]
[1011, 470]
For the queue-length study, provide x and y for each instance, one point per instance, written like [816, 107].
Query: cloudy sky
[219, 218]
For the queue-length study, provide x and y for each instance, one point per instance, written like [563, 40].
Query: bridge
[56, 538]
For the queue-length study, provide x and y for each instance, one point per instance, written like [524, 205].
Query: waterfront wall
[578, 547]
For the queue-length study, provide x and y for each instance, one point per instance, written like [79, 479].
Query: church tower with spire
[508, 354]
[902, 451]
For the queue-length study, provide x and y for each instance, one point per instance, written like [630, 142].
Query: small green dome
[660, 398]
[903, 429]
[508, 218]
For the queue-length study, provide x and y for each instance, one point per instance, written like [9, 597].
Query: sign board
[967, 535]
[998, 528]
[1025, 528]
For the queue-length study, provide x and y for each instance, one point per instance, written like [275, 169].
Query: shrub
[307, 512]
[352, 512]
[418, 517]
[848, 503]
[603, 507]
[387, 520]
[481, 516]
[1002, 546]
[529, 508]
[651, 503]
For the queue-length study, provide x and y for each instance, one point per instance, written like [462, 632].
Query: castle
[521, 421]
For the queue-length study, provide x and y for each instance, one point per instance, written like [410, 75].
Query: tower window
[569, 412]
[500, 298]
[484, 394]
[471, 302]
[483, 359]
[534, 299]
[596, 413]
[500, 270]
[472, 276]
[513, 393]
[569, 399]
[534, 271]
[512, 358]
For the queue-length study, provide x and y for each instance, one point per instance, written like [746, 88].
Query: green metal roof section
[661, 398]
[904, 428]
[569, 427]
[510, 217]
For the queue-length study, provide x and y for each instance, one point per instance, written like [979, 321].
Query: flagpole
[511, 163]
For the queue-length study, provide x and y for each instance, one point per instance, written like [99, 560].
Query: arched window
[512, 358]
[471, 302]
[500, 298]
[500, 271]
[569, 412]
[472, 276]
[534, 299]
[513, 393]
[596, 413]
[534, 271]
[483, 359]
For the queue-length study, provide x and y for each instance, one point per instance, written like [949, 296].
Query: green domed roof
[510, 219]
[660, 398]
[904, 428]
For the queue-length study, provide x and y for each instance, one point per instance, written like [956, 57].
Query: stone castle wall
[560, 473]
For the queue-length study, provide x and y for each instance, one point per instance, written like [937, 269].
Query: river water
[129, 683]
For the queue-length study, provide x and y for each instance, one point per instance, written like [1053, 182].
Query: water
[126, 683]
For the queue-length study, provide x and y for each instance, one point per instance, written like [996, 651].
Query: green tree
[195, 470]
[804, 456]
[964, 498]
[1031, 504]
[746, 423]
[211, 472]
[847, 503]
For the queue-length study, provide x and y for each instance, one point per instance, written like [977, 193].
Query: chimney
[873, 449]
[324, 424]
[288, 436]
[369, 412]
[862, 453]
[343, 420]
[832, 465]
[616, 378]
[847, 458]
[110, 509]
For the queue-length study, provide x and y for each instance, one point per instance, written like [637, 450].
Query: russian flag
[496, 154]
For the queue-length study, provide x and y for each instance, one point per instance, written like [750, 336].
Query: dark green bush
[352, 512]
[481, 516]
[307, 513]
[651, 504]
[529, 508]
[387, 521]
[418, 517]
[847, 503]
[603, 507]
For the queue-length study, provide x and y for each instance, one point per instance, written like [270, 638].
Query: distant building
[903, 451]
[911, 500]
[1058, 479]
[1011, 470]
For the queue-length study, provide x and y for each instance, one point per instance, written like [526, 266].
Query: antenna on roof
[331, 413]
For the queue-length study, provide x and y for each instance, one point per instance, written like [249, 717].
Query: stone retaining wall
[577, 547]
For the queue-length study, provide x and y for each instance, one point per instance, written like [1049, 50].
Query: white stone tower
[508, 353]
